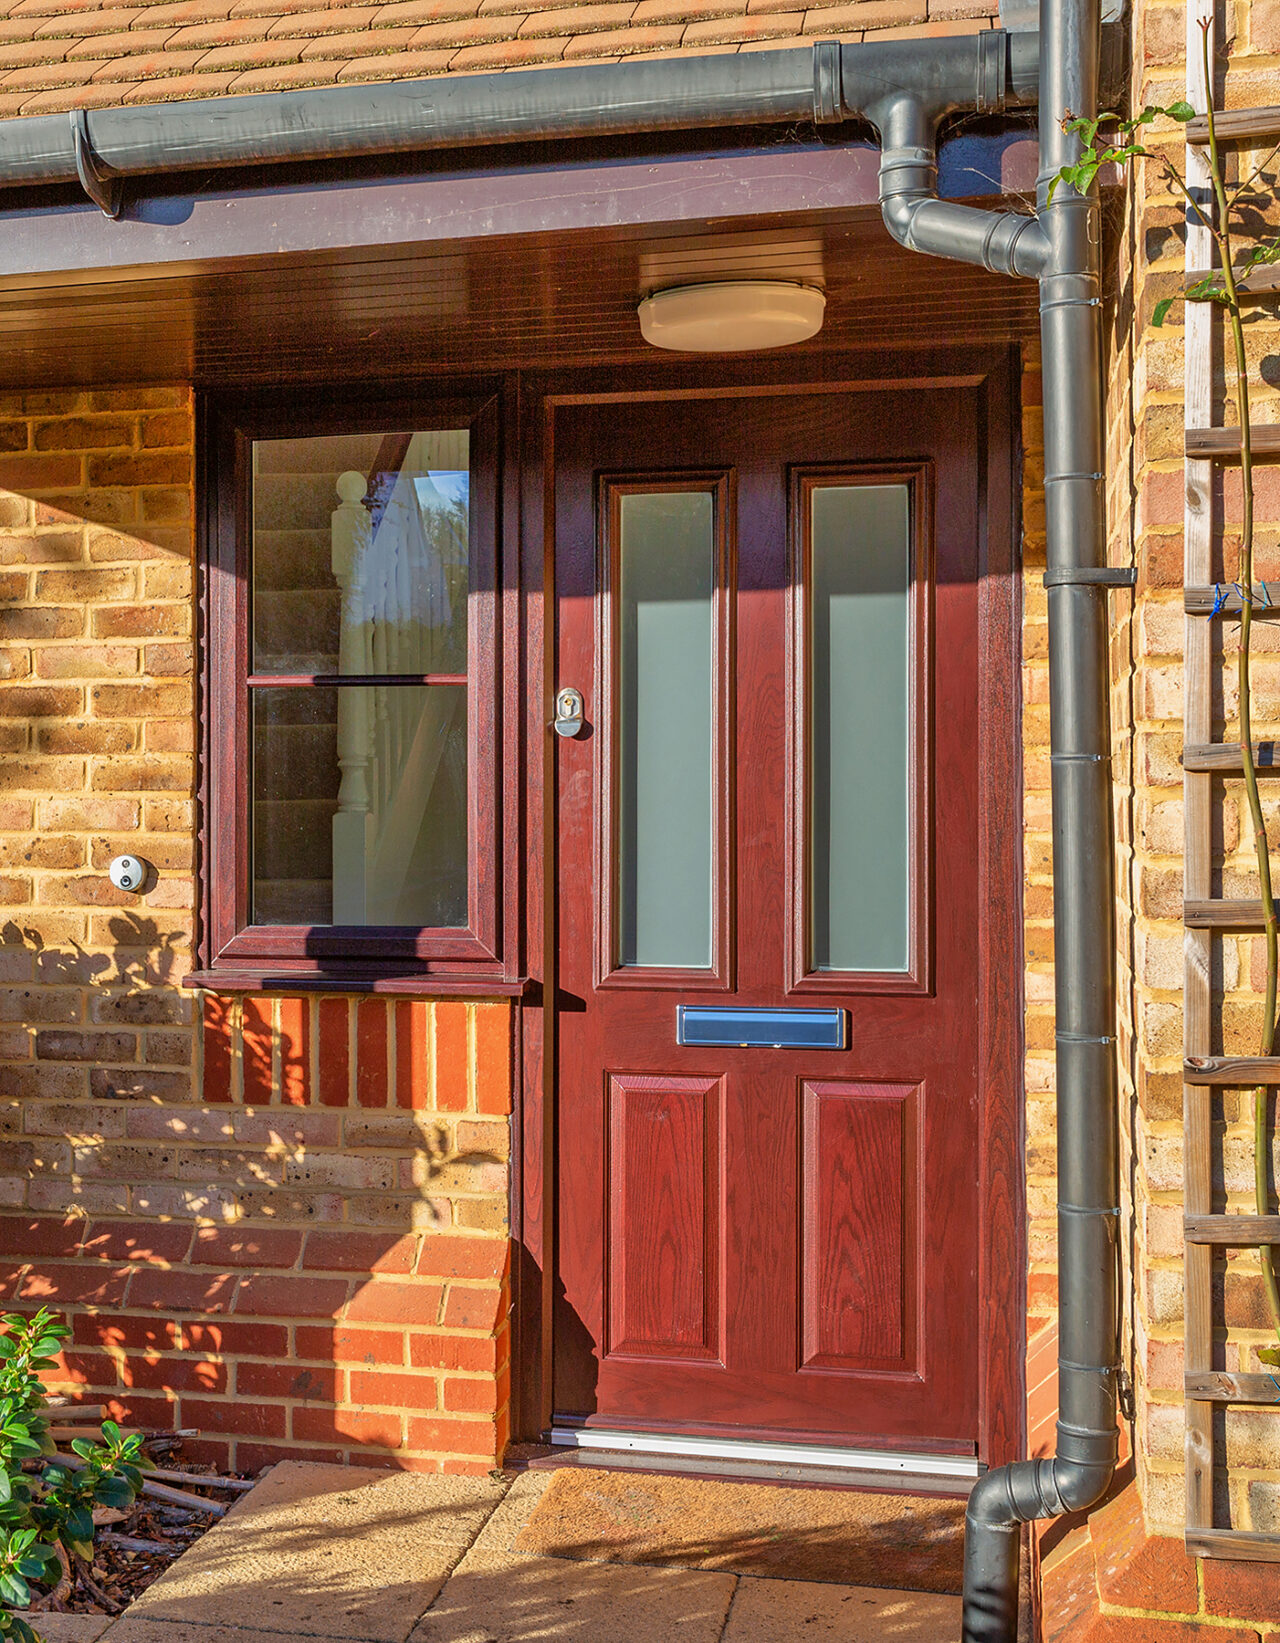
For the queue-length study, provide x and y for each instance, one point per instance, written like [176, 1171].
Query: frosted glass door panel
[859, 758]
[665, 728]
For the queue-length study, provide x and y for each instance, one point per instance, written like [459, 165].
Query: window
[352, 687]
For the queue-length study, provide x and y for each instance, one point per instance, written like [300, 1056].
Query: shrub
[46, 1499]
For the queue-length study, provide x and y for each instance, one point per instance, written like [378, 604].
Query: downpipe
[1059, 247]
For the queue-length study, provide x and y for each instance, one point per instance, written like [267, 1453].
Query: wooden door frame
[995, 373]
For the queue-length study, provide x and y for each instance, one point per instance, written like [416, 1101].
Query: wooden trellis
[1203, 760]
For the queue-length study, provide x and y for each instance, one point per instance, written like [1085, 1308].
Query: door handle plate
[569, 712]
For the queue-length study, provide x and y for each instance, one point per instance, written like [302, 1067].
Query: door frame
[529, 489]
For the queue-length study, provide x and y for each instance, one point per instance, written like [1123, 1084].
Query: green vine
[1221, 286]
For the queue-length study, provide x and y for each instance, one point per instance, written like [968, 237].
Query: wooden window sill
[239, 980]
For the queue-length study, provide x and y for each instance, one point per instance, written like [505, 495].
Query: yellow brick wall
[283, 1224]
[1248, 1442]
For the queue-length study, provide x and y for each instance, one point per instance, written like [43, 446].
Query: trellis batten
[1206, 1388]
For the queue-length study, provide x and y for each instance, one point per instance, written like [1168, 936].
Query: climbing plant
[1108, 139]
[46, 1500]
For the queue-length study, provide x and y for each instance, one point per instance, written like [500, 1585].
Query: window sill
[418, 983]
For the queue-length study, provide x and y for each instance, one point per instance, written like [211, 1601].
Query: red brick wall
[316, 1260]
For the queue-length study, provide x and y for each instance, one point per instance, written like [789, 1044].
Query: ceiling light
[732, 317]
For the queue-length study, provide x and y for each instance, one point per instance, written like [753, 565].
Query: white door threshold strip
[885, 1463]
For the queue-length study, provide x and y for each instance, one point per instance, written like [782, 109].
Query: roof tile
[185, 14]
[338, 49]
[56, 8]
[247, 54]
[157, 65]
[58, 100]
[118, 45]
[518, 53]
[677, 11]
[398, 65]
[278, 8]
[175, 87]
[466, 31]
[21, 55]
[332, 20]
[225, 33]
[577, 19]
[422, 12]
[624, 41]
[285, 77]
[101, 22]
[722, 30]
[46, 76]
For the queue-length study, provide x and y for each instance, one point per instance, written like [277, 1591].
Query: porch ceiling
[522, 264]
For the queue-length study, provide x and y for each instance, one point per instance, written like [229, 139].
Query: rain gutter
[905, 89]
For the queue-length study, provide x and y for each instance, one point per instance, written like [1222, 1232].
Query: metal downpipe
[1084, 987]
[1060, 248]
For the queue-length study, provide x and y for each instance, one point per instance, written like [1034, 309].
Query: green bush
[44, 1501]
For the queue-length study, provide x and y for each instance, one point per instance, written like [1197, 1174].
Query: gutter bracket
[828, 98]
[99, 182]
[1091, 576]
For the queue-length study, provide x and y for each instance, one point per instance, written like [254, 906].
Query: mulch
[119, 1573]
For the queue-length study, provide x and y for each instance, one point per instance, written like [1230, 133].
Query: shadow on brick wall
[305, 1257]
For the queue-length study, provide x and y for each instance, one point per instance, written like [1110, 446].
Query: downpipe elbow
[1002, 241]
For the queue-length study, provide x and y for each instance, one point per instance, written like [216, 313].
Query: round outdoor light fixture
[732, 317]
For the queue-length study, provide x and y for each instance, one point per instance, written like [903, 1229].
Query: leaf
[84, 1447]
[20, 1631]
[111, 1431]
[1182, 111]
[14, 1589]
[114, 1491]
[1269, 1354]
[80, 1523]
[1161, 310]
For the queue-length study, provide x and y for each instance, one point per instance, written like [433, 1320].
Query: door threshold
[792, 1463]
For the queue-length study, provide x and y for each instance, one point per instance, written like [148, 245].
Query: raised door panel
[662, 1256]
[860, 1213]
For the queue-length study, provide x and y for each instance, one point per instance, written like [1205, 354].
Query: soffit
[535, 259]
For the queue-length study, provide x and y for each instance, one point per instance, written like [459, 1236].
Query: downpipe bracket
[99, 182]
[1091, 576]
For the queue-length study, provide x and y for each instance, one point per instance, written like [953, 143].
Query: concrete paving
[357, 1556]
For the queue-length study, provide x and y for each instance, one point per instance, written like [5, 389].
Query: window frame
[230, 941]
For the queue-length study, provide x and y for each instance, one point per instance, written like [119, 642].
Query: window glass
[360, 572]
[665, 729]
[859, 757]
[376, 837]
[360, 553]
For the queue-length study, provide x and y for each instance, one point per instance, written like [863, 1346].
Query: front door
[769, 605]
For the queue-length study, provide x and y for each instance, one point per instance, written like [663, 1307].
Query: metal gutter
[905, 89]
[823, 84]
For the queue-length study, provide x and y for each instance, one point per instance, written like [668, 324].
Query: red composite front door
[768, 605]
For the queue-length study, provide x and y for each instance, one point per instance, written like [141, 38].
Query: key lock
[568, 719]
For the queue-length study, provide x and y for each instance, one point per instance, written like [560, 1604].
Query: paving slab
[512, 1512]
[131, 1628]
[856, 1539]
[324, 1551]
[801, 1611]
[496, 1597]
[69, 1628]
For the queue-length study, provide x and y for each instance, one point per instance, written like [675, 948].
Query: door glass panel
[665, 728]
[859, 757]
